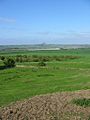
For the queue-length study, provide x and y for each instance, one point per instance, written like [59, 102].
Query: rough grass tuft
[84, 102]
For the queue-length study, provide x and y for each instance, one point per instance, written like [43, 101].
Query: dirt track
[56, 106]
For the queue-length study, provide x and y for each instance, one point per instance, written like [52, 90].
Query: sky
[44, 21]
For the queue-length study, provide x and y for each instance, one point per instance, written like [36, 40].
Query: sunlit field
[28, 79]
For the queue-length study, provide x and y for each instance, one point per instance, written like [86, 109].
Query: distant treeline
[36, 58]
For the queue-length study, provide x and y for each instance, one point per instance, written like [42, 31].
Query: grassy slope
[19, 83]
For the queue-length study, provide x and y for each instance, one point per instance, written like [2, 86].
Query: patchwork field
[28, 79]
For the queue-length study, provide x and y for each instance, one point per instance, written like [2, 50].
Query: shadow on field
[4, 67]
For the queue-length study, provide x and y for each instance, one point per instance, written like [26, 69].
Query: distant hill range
[42, 46]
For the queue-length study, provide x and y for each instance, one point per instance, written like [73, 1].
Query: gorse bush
[2, 57]
[38, 58]
[8, 62]
[42, 63]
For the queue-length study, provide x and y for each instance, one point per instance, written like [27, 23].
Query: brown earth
[57, 106]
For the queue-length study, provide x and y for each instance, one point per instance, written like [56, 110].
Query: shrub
[42, 63]
[2, 57]
[8, 62]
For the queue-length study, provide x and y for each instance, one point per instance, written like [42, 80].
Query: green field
[27, 79]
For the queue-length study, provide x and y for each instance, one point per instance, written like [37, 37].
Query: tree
[9, 62]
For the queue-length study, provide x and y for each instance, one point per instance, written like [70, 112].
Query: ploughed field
[56, 106]
[28, 79]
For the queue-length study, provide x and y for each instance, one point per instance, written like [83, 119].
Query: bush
[2, 57]
[9, 62]
[42, 63]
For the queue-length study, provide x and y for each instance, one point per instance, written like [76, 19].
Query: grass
[81, 52]
[84, 102]
[30, 80]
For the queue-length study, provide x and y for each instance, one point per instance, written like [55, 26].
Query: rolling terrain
[27, 80]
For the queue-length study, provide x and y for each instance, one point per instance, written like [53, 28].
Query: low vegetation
[82, 102]
[42, 63]
[38, 58]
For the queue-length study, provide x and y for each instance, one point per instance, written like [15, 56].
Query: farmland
[28, 79]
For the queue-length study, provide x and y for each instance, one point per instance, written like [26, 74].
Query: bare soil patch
[56, 106]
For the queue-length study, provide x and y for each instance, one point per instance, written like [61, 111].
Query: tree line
[36, 58]
[9, 61]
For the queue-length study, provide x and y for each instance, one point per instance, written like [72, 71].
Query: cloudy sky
[49, 21]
